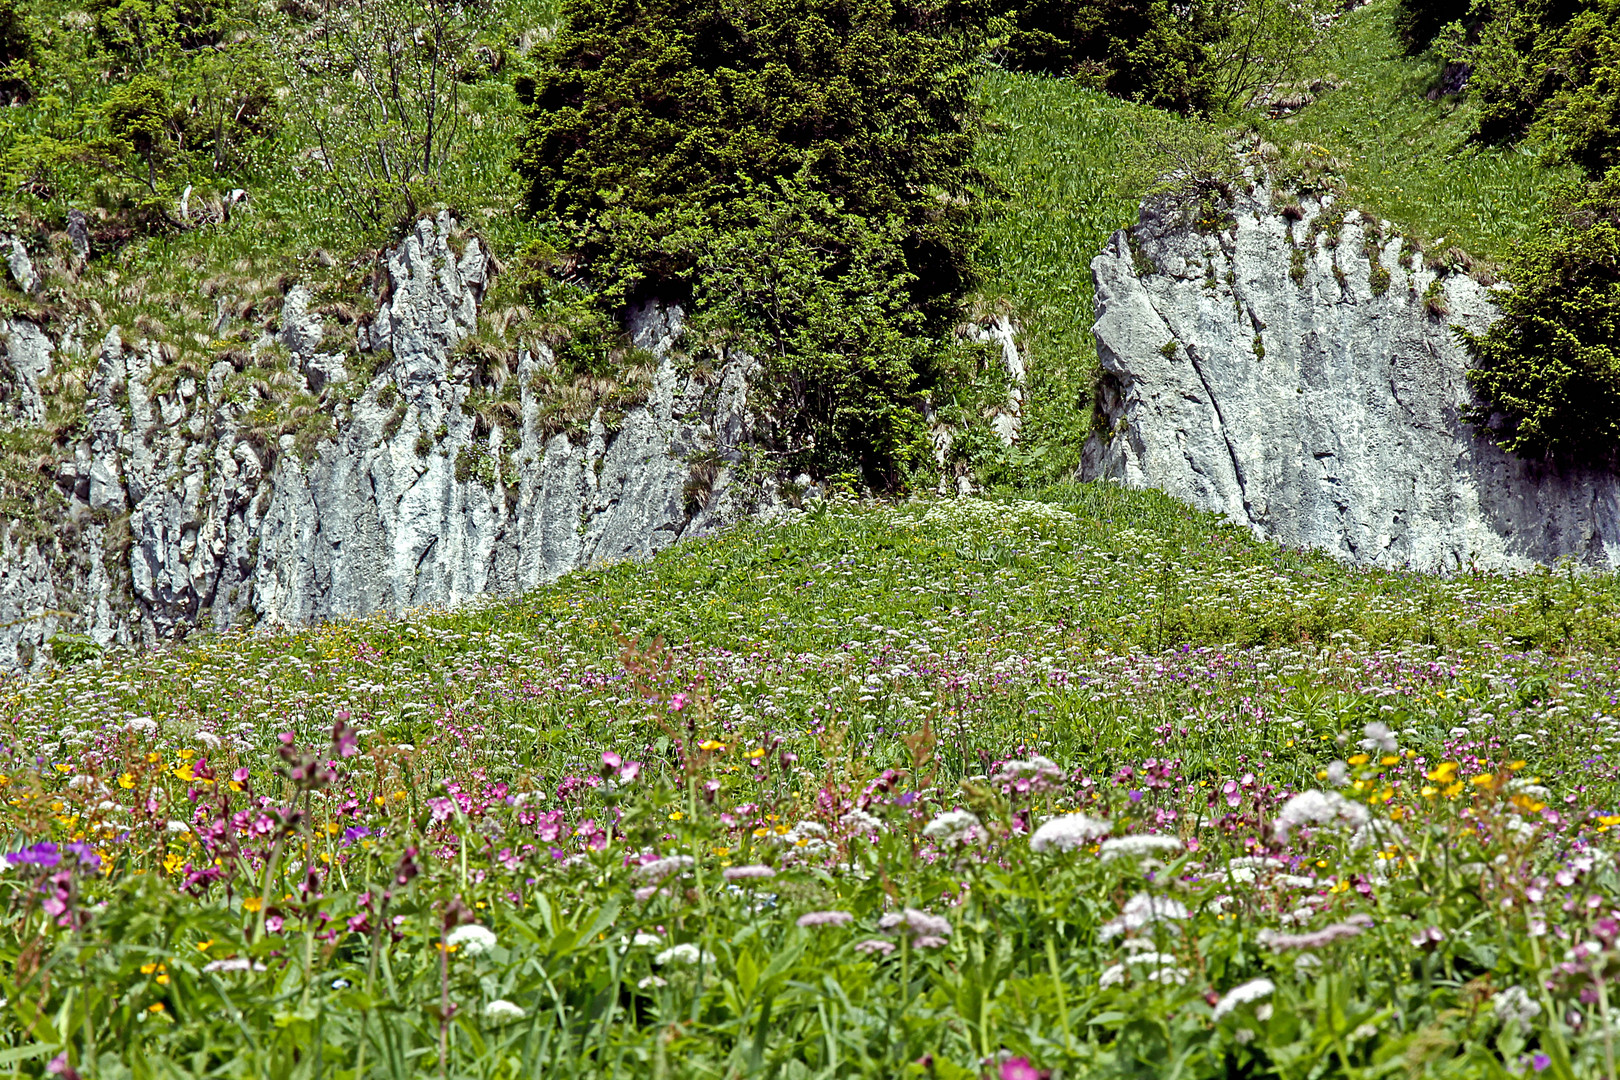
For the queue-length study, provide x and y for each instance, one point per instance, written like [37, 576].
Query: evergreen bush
[800, 172]
[1197, 57]
[1548, 372]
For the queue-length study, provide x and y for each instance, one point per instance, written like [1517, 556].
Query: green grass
[1410, 159]
[292, 824]
[1060, 152]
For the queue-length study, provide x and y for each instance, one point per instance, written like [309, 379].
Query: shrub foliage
[1202, 57]
[802, 172]
[1549, 369]
[1548, 373]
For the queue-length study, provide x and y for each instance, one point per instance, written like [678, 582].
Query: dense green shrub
[128, 102]
[1550, 68]
[1419, 22]
[1142, 50]
[800, 171]
[1202, 57]
[1549, 369]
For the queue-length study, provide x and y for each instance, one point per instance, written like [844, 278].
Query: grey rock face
[1321, 412]
[180, 514]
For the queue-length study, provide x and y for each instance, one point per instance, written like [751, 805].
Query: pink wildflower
[826, 918]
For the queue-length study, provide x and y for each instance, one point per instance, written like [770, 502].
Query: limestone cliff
[176, 511]
[1297, 372]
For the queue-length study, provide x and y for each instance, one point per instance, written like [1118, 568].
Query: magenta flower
[1019, 1068]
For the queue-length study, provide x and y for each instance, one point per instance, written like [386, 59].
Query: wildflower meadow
[1081, 784]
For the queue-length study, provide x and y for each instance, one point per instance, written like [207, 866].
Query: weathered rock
[184, 516]
[1321, 412]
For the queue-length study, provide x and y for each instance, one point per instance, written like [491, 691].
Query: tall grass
[1060, 153]
[1410, 159]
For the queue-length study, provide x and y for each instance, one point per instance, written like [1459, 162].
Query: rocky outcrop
[1298, 373]
[179, 509]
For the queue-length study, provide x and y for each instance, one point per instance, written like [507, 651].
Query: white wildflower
[1142, 910]
[684, 953]
[861, 821]
[1318, 808]
[1142, 845]
[651, 982]
[1338, 774]
[1515, 1008]
[145, 725]
[473, 939]
[501, 1011]
[1253, 990]
[659, 869]
[1112, 976]
[1068, 833]
[177, 828]
[953, 827]
[644, 940]
[234, 963]
[1036, 772]
[1378, 737]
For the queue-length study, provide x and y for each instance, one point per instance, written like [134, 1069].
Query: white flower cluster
[1378, 738]
[1155, 967]
[1141, 911]
[659, 869]
[952, 828]
[1320, 808]
[1140, 846]
[1068, 833]
[501, 1011]
[1515, 1008]
[861, 822]
[1037, 771]
[473, 939]
[685, 953]
[1251, 991]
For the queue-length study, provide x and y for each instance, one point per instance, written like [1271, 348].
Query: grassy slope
[1058, 150]
[1408, 158]
[1184, 678]
[1061, 152]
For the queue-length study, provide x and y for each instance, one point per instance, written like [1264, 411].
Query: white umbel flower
[1320, 808]
[1143, 910]
[659, 869]
[953, 827]
[1515, 1008]
[501, 1011]
[1141, 846]
[1253, 990]
[1068, 833]
[472, 939]
[684, 953]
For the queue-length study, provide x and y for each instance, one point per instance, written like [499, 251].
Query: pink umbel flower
[1317, 939]
[747, 873]
[826, 918]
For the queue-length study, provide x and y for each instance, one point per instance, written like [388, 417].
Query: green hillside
[1066, 781]
[799, 718]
